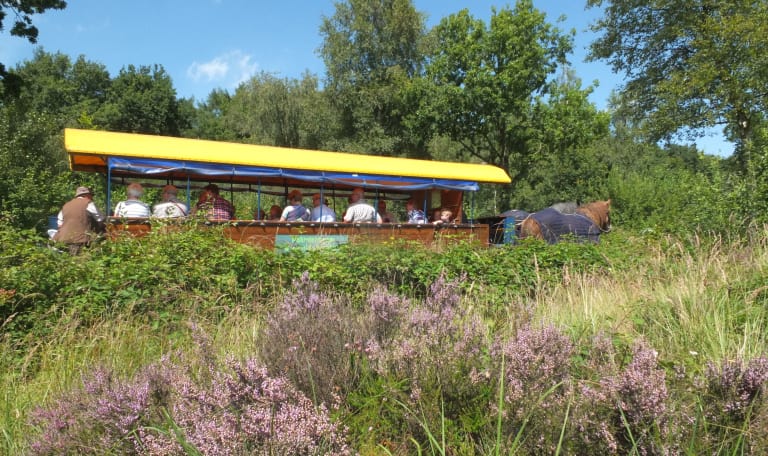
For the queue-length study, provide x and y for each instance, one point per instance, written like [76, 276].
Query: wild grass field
[183, 343]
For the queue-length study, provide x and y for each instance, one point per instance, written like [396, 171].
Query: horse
[589, 221]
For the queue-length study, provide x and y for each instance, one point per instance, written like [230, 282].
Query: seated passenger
[212, 206]
[259, 215]
[414, 215]
[275, 212]
[360, 211]
[386, 217]
[132, 207]
[445, 218]
[170, 206]
[321, 212]
[435, 214]
[295, 211]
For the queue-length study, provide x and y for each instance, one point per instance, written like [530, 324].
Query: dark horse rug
[554, 225]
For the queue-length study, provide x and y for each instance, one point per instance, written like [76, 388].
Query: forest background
[499, 92]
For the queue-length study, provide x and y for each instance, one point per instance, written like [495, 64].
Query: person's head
[295, 196]
[134, 190]
[83, 192]
[205, 196]
[436, 213]
[170, 192]
[446, 215]
[260, 215]
[382, 206]
[357, 195]
[410, 205]
[275, 212]
[213, 189]
[316, 200]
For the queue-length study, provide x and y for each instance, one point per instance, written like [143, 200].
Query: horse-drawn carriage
[268, 172]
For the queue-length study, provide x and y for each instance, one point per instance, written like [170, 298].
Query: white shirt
[361, 212]
[170, 209]
[131, 208]
[323, 213]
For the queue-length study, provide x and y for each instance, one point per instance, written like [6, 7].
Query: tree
[208, 118]
[280, 112]
[22, 11]
[142, 100]
[486, 80]
[371, 49]
[689, 65]
[54, 85]
[565, 167]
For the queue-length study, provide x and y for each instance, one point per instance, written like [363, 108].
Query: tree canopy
[689, 64]
[488, 79]
[22, 11]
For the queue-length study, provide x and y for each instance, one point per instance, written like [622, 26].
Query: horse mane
[598, 212]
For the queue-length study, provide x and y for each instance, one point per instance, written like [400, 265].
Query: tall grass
[699, 298]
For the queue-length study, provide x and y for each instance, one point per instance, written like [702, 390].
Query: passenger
[259, 214]
[295, 211]
[212, 205]
[414, 215]
[386, 217]
[445, 218]
[321, 212]
[359, 210]
[79, 221]
[170, 207]
[275, 212]
[132, 207]
[435, 214]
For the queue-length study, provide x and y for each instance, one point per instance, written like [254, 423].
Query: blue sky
[207, 44]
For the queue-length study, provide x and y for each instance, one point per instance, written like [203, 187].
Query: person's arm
[95, 212]
[60, 219]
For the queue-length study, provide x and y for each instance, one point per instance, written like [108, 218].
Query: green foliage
[491, 91]
[142, 100]
[22, 11]
[711, 69]
[279, 112]
[371, 50]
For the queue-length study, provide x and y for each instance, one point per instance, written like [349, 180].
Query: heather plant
[434, 346]
[171, 407]
[733, 403]
[310, 337]
[626, 412]
[534, 369]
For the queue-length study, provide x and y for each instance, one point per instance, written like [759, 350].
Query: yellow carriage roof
[129, 154]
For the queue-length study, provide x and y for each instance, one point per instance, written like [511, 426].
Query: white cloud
[230, 69]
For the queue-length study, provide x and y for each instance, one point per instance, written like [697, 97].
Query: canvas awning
[163, 157]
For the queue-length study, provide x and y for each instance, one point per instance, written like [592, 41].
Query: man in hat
[170, 206]
[79, 221]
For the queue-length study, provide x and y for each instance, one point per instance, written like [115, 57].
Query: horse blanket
[554, 225]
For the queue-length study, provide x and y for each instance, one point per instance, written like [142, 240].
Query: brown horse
[589, 221]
